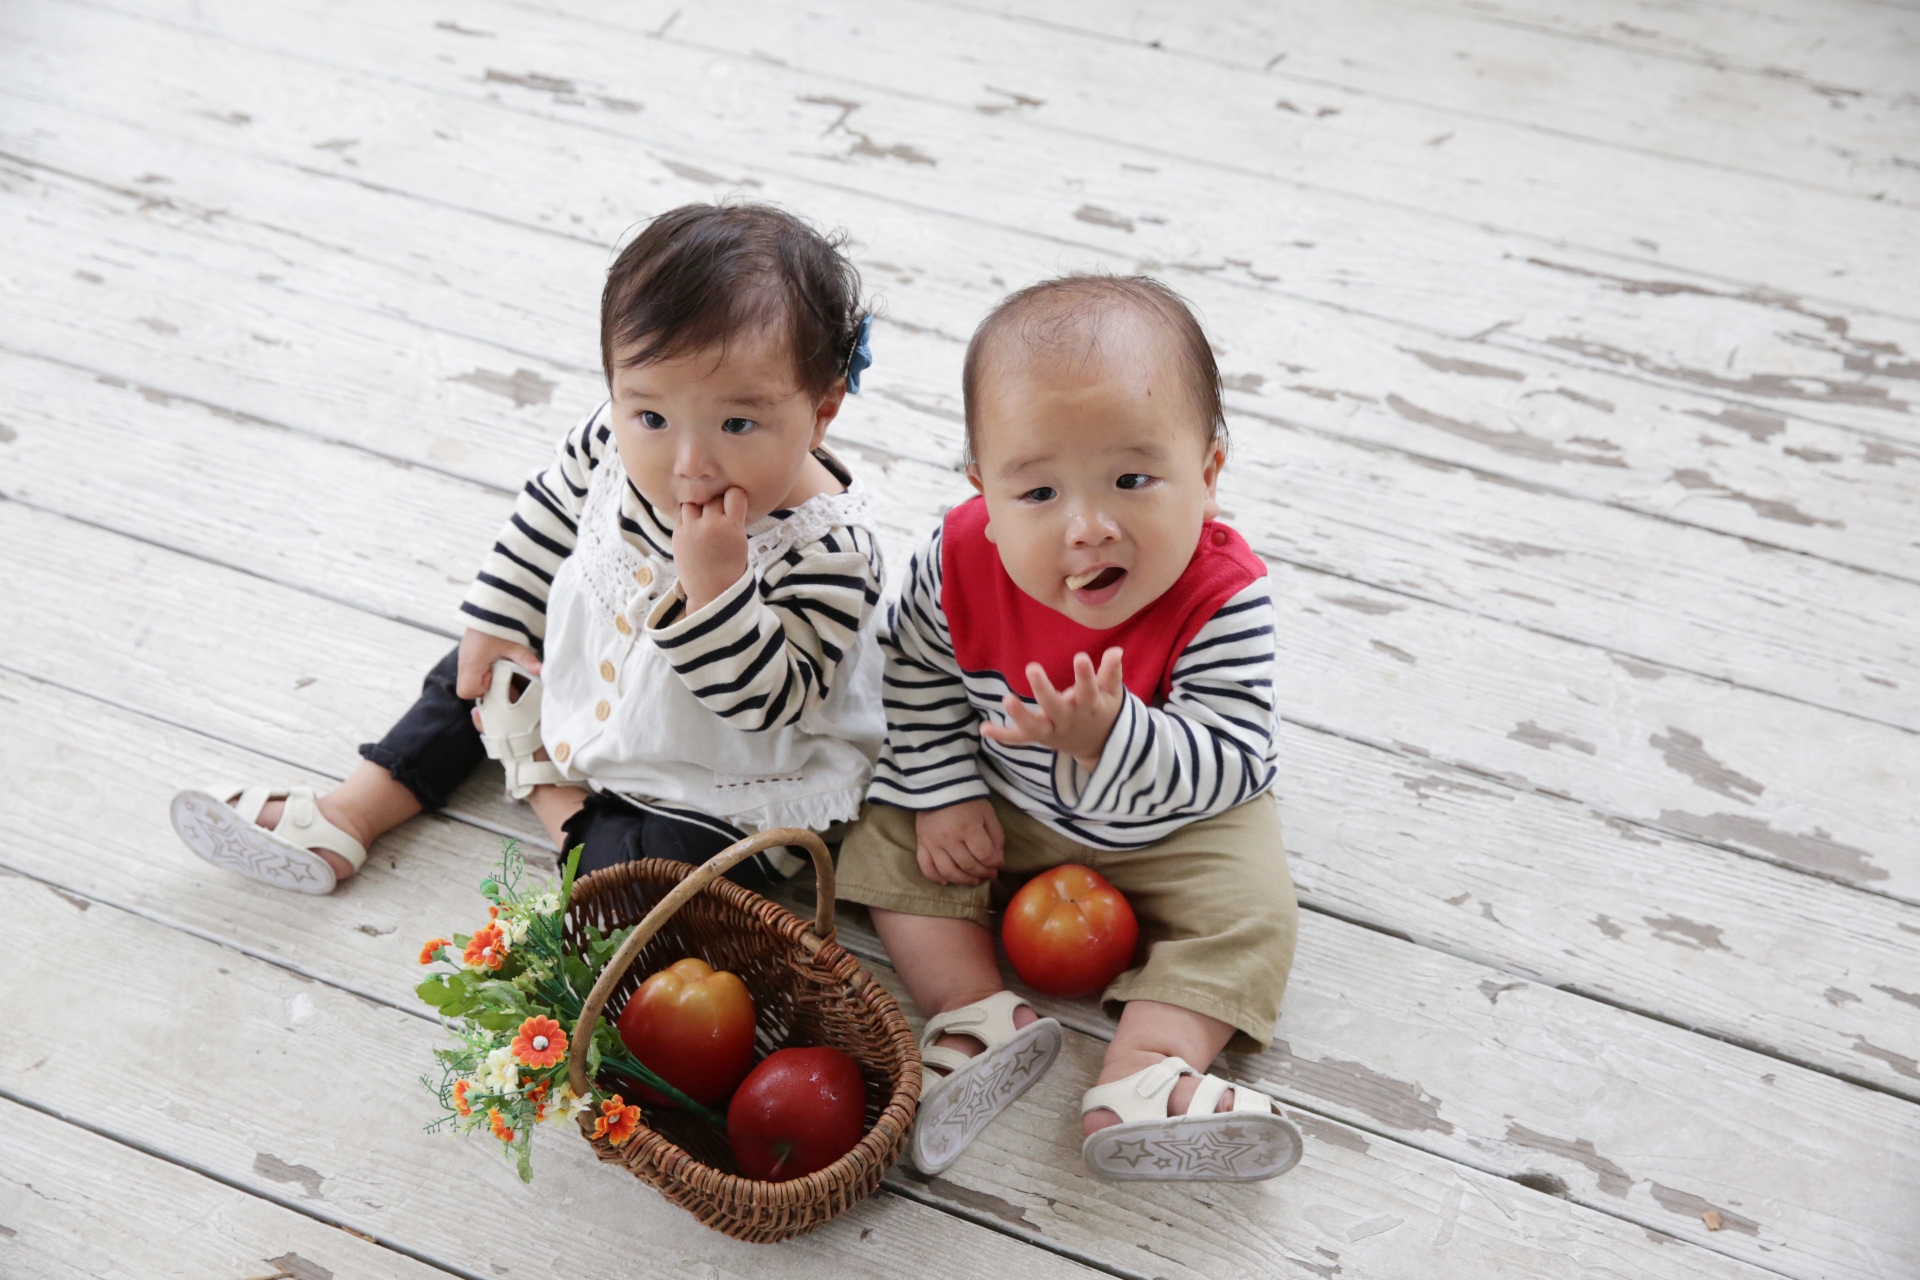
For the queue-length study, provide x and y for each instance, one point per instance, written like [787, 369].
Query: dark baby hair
[1064, 316]
[698, 275]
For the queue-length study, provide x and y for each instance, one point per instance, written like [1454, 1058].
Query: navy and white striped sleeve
[1209, 748]
[765, 651]
[931, 756]
[508, 597]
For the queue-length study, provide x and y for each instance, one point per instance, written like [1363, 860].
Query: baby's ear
[827, 410]
[1216, 459]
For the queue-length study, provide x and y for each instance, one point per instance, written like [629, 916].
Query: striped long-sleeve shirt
[760, 655]
[1204, 744]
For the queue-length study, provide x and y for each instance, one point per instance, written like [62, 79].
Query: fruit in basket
[1068, 932]
[692, 1025]
[798, 1112]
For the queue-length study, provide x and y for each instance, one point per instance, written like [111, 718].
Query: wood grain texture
[1357, 987]
[77, 1206]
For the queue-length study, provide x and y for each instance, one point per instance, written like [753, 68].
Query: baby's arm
[762, 653]
[505, 609]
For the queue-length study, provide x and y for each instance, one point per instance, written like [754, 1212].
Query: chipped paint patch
[1614, 1180]
[1494, 990]
[1766, 508]
[1103, 217]
[1835, 996]
[1687, 933]
[1547, 1184]
[1517, 443]
[531, 80]
[1688, 1205]
[1685, 753]
[1425, 787]
[1362, 604]
[1510, 550]
[1397, 1104]
[981, 1202]
[1637, 669]
[1904, 997]
[1898, 1061]
[522, 386]
[1760, 426]
[1334, 1135]
[1546, 739]
[295, 1267]
[1816, 852]
[1471, 368]
[1395, 652]
[274, 1169]
[1609, 928]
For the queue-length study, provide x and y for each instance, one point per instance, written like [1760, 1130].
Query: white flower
[499, 1073]
[515, 928]
[547, 903]
[567, 1104]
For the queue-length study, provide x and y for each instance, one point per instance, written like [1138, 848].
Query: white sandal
[1245, 1144]
[221, 824]
[510, 729]
[954, 1108]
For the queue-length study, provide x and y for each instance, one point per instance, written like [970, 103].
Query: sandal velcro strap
[300, 822]
[989, 1021]
[510, 729]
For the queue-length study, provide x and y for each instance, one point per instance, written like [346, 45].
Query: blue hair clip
[860, 359]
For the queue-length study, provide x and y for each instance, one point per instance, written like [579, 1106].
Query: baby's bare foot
[271, 811]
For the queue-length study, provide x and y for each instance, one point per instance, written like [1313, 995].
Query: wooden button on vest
[602, 711]
[621, 624]
[606, 671]
[643, 576]
[561, 752]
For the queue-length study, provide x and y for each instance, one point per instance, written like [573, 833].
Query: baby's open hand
[1075, 722]
[710, 546]
[960, 844]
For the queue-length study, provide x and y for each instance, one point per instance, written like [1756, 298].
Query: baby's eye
[1041, 494]
[652, 421]
[1133, 480]
[738, 426]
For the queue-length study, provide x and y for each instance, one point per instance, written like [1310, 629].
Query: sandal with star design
[954, 1108]
[1250, 1142]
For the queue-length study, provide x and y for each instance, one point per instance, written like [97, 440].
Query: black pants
[433, 748]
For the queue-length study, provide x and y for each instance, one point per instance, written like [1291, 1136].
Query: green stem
[628, 1065]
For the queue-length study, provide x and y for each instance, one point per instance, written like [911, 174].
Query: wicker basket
[807, 990]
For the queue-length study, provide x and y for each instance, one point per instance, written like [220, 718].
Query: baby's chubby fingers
[1110, 679]
[1023, 725]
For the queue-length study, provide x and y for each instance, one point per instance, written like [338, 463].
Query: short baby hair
[1066, 316]
[701, 274]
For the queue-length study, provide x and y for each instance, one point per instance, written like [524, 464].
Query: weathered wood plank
[1349, 1177]
[76, 1206]
[1781, 621]
[1818, 102]
[209, 1047]
[1711, 939]
[1450, 276]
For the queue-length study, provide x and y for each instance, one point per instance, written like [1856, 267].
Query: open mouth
[1094, 580]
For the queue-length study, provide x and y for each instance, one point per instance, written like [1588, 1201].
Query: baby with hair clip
[673, 640]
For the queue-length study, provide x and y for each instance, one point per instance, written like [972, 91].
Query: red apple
[796, 1113]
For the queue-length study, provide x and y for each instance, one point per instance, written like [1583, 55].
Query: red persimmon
[798, 1112]
[692, 1025]
[1068, 932]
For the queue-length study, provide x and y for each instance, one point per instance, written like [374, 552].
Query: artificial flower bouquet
[512, 1000]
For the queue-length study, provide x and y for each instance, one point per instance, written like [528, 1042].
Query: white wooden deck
[1573, 349]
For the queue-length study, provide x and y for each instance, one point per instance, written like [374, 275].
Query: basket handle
[715, 867]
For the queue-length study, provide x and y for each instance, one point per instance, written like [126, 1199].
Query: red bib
[998, 627]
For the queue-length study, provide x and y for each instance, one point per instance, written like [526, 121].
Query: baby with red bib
[1080, 669]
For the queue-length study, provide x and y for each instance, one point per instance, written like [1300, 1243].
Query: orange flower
[460, 1103]
[488, 949]
[429, 952]
[541, 1042]
[617, 1122]
[501, 1129]
[539, 1100]
[493, 913]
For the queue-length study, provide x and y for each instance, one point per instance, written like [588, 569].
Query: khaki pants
[1214, 900]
